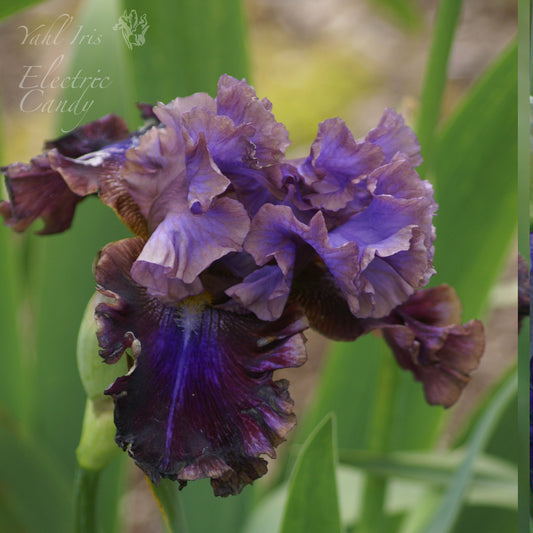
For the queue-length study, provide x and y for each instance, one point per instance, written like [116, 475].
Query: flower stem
[85, 490]
[168, 499]
[372, 509]
[435, 80]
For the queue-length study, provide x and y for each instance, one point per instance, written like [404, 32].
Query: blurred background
[313, 59]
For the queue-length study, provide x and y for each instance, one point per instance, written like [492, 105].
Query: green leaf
[486, 519]
[436, 468]
[33, 490]
[104, 60]
[12, 379]
[169, 501]
[188, 46]
[207, 513]
[435, 79]
[9, 7]
[445, 517]
[475, 167]
[524, 490]
[349, 380]
[312, 503]
[403, 12]
[417, 498]
[13, 363]
[504, 443]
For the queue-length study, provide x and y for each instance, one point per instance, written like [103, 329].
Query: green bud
[97, 444]
[95, 374]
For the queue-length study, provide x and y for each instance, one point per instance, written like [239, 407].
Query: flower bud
[97, 445]
[95, 374]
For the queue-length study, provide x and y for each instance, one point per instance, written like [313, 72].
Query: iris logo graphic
[133, 28]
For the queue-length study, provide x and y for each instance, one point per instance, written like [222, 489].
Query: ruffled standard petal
[276, 234]
[394, 235]
[152, 165]
[393, 136]
[191, 227]
[230, 146]
[38, 190]
[238, 100]
[265, 292]
[199, 400]
[393, 258]
[172, 113]
[184, 244]
[377, 257]
[337, 164]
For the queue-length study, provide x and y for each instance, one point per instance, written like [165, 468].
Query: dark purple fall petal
[199, 400]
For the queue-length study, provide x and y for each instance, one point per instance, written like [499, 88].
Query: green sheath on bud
[97, 445]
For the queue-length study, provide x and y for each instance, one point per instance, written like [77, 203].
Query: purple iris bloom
[237, 250]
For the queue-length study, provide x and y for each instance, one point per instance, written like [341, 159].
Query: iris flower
[236, 251]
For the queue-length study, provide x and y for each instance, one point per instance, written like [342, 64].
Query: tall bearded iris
[237, 250]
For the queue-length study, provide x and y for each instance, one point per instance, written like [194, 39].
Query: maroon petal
[424, 333]
[440, 354]
[199, 401]
[91, 137]
[38, 190]
[100, 173]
